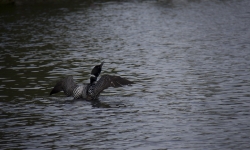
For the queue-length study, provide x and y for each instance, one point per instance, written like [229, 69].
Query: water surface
[189, 59]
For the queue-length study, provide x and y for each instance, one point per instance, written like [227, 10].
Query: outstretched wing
[107, 81]
[66, 85]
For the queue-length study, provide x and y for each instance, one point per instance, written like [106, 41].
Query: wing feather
[107, 81]
[67, 85]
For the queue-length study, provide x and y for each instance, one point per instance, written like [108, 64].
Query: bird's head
[96, 71]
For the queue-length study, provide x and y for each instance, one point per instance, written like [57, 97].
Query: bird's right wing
[66, 85]
[107, 81]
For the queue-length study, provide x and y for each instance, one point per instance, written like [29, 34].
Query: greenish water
[189, 59]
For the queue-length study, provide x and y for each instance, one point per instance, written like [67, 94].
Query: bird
[92, 90]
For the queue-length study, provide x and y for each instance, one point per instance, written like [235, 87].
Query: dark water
[190, 61]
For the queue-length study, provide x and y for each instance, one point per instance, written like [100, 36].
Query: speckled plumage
[92, 90]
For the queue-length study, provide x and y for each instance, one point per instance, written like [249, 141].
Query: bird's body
[92, 90]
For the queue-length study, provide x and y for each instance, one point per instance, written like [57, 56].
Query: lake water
[190, 60]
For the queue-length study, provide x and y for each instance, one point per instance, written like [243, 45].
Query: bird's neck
[93, 79]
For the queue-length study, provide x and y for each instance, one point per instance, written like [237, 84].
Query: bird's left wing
[66, 85]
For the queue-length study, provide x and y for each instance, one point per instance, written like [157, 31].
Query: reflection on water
[189, 59]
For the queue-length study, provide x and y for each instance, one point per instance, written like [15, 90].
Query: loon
[92, 90]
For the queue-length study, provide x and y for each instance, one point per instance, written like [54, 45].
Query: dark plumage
[92, 90]
[66, 85]
[97, 70]
[105, 82]
[95, 73]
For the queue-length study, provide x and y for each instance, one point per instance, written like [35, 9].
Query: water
[189, 59]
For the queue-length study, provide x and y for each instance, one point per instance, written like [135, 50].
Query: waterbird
[92, 90]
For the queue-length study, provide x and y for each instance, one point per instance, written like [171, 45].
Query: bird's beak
[102, 63]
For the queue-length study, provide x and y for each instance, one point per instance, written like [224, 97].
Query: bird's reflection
[97, 103]
[94, 103]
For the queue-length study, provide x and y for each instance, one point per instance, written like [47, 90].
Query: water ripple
[189, 61]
